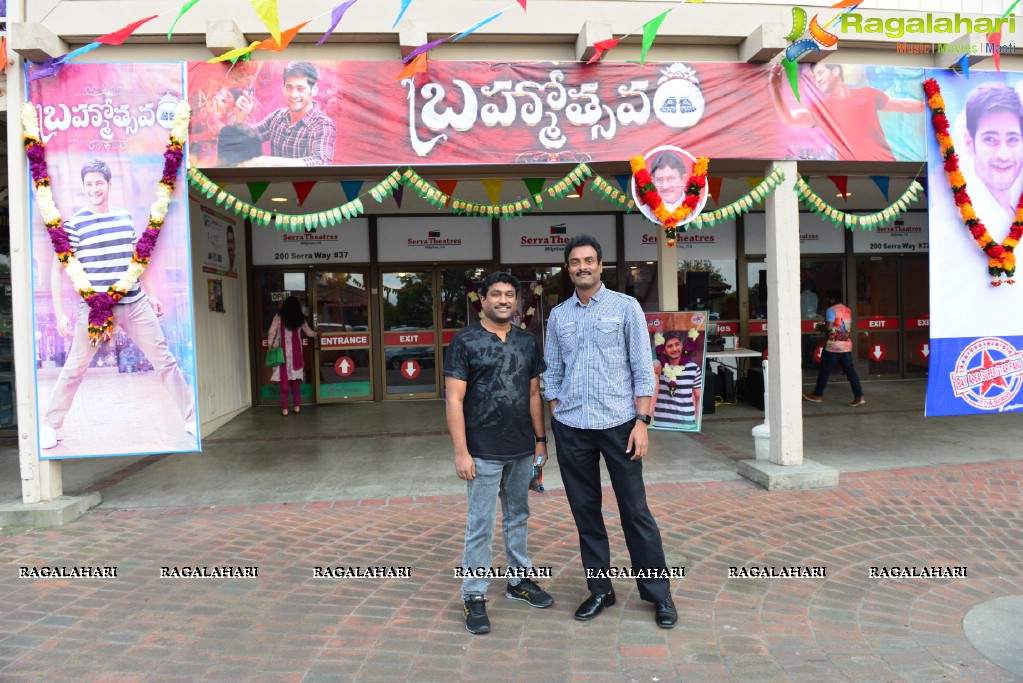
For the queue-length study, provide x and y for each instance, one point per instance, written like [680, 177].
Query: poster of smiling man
[975, 202]
[111, 260]
[670, 187]
[679, 343]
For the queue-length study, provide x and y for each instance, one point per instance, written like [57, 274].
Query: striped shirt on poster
[104, 244]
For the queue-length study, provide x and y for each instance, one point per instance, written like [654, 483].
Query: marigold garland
[101, 304]
[1001, 257]
[649, 195]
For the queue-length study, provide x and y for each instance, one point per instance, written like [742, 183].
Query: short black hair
[836, 294]
[990, 97]
[667, 158]
[494, 278]
[584, 241]
[236, 143]
[97, 166]
[674, 334]
[304, 69]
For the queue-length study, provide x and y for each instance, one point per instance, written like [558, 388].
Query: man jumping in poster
[847, 116]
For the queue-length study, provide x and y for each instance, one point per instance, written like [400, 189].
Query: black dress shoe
[666, 615]
[594, 605]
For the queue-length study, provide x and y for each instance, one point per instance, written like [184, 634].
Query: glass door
[341, 316]
[876, 312]
[916, 321]
[410, 368]
[271, 288]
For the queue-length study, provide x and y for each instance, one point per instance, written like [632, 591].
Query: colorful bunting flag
[578, 187]
[51, 67]
[351, 188]
[623, 181]
[256, 190]
[426, 47]
[447, 187]
[964, 64]
[236, 54]
[399, 194]
[119, 36]
[493, 187]
[266, 10]
[3, 54]
[714, 189]
[302, 189]
[472, 29]
[523, 3]
[274, 45]
[417, 66]
[184, 8]
[335, 19]
[650, 32]
[602, 47]
[534, 185]
[404, 6]
[882, 182]
[753, 182]
[842, 183]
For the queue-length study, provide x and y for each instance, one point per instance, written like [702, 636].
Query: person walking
[837, 325]
[599, 383]
[495, 417]
[286, 331]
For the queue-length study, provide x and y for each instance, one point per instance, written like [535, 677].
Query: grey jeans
[509, 480]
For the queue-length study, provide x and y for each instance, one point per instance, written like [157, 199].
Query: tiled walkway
[287, 625]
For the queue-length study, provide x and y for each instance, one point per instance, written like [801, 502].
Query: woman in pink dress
[286, 331]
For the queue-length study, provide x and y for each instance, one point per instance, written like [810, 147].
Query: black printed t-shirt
[497, 374]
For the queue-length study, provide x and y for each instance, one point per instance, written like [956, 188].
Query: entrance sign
[344, 243]
[975, 362]
[344, 366]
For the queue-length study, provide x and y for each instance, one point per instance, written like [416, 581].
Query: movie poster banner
[976, 346]
[679, 343]
[105, 128]
[281, 113]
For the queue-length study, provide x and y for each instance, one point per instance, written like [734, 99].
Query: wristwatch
[541, 439]
[645, 419]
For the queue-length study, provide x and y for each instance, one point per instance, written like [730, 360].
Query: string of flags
[819, 206]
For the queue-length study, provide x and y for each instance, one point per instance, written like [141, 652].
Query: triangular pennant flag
[266, 10]
[404, 6]
[964, 64]
[119, 36]
[578, 187]
[416, 66]
[51, 67]
[792, 71]
[923, 183]
[523, 3]
[426, 47]
[184, 8]
[256, 190]
[601, 48]
[335, 19]
[842, 183]
[623, 181]
[753, 182]
[473, 28]
[274, 45]
[882, 182]
[447, 187]
[236, 54]
[714, 189]
[533, 185]
[302, 189]
[649, 33]
[493, 187]
[351, 188]
[398, 194]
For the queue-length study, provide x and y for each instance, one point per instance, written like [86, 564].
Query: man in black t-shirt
[495, 416]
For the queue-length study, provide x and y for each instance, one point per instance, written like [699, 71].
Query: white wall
[221, 348]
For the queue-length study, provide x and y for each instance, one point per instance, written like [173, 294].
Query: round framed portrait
[670, 168]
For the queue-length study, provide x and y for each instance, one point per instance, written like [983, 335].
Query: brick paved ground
[287, 625]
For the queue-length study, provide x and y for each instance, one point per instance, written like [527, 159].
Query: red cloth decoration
[447, 187]
[302, 189]
[842, 183]
[602, 47]
[416, 66]
[714, 188]
[119, 36]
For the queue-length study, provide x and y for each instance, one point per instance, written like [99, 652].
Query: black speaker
[762, 289]
[710, 389]
[755, 388]
[697, 290]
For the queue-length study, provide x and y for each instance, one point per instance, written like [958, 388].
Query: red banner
[540, 112]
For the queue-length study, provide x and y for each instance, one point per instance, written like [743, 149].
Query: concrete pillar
[40, 479]
[667, 274]
[783, 337]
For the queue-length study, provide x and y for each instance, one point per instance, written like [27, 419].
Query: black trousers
[579, 459]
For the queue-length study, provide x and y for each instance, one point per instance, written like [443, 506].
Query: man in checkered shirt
[300, 133]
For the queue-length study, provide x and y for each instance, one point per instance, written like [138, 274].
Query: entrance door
[341, 316]
[271, 288]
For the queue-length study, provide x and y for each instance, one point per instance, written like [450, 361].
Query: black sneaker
[475, 609]
[527, 591]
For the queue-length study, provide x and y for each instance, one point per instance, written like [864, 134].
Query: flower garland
[673, 372]
[101, 304]
[651, 197]
[1001, 257]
